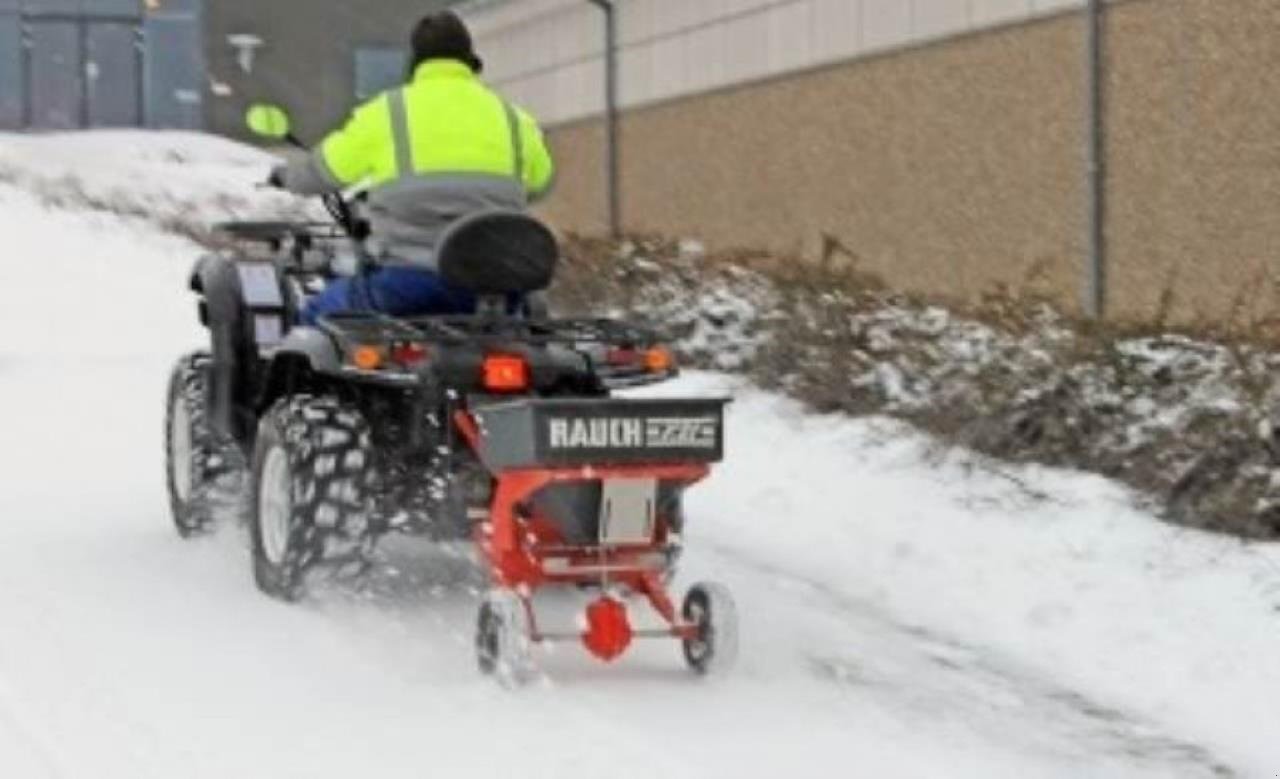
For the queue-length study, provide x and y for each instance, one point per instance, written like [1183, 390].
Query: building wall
[946, 159]
[1194, 180]
[910, 162]
[72, 64]
[307, 61]
[547, 53]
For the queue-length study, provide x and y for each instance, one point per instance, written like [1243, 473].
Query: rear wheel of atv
[191, 449]
[714, 648]
[311, 483]
[504, 645]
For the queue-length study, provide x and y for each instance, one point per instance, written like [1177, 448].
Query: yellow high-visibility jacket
[436, 149]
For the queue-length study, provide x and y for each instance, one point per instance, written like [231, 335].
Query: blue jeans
[395, 291]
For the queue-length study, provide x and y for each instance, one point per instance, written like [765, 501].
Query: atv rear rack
[375, 328]
[594, 339]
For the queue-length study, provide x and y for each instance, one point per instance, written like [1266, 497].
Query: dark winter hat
[442, 35]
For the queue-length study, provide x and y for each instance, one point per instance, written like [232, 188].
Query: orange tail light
[659, 360]
[366, 358]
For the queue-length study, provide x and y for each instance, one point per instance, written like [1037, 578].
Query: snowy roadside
[909, 609]
[1058, 570]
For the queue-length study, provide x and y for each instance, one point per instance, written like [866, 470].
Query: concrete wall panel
[710, 57]
[790, 36]
[1040, 7]
[837, 30]
[885, 24]
[992, 12]
[938, 18]
[747, 42]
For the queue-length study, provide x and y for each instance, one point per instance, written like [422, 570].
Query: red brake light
[409, 354]
[506, 373]
[622, 357]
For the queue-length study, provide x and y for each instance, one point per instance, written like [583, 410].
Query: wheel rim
[275, 506]
[487, 640]
[700, 647]
[180, 450]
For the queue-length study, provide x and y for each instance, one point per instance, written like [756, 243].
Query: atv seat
[494, 253]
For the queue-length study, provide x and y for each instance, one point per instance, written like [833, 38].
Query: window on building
[379, 69]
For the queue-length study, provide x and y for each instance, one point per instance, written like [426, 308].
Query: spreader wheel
[504, 645]
[710, 608]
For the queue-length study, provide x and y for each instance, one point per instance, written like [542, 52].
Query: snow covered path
[905, 613]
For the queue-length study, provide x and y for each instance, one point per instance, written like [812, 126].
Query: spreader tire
[192, 451]
[504, 646]
[710, 608]
[311, 492]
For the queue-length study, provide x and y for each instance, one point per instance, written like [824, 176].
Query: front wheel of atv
[191, 449]
[711, 610]
[311, 483]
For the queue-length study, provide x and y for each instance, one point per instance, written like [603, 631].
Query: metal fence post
[611, 113]
[1095, 297]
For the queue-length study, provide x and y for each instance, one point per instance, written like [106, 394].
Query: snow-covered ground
[907, 612]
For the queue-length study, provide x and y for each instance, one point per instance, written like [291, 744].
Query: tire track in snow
[932, 675]
[36, 744]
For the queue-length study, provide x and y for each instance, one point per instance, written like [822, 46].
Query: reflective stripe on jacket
[436, 149]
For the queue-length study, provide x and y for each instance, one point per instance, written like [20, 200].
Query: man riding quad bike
[430, 152]
[367, 405]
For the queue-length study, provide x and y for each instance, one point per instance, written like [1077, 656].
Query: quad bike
[498, 428]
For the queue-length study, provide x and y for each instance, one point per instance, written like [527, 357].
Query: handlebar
[336, 205]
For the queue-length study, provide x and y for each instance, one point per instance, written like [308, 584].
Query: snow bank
[181, 182]
[1060, 571]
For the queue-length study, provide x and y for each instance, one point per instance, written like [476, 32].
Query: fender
[305, 350]
[319, 349]
[214, 278]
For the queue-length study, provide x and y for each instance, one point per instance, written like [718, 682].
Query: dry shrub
[1184, 417]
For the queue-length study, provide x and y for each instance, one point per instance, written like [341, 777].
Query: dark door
[56, 81]
[113, 73]
[12, 92]
[175, 66]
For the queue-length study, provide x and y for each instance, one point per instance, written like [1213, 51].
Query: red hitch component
[608, 630]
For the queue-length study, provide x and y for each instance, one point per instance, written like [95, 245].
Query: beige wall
[955, 164]
[944, 169]
[547, 54]
[1194, 102]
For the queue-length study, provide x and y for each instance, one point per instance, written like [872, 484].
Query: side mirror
[268, 121]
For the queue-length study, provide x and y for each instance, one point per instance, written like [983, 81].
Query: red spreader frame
[525, 551]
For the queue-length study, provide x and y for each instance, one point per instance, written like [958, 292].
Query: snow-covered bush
[1186, 420]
